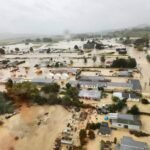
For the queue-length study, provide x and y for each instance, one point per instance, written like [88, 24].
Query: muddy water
[144, 66]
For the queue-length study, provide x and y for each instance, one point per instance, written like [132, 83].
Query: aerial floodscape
[75, 75]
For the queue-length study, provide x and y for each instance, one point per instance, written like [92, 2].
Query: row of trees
[48, 94]
[124, 63]
[39, 40]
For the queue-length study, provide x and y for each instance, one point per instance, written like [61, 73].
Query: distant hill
[138, 31]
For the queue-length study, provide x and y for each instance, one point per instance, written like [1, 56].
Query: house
[104, 129]
[130, 96]
[125, 121]
[112, 86]
[136, 85]
[127, 143]
[90, 94]
[121, 50]
[124, 74]
[89, 45]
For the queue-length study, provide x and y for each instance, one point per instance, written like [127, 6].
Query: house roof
[127, 143]
[128, 119]
[136, 85]
[92, 78]
[95, 94]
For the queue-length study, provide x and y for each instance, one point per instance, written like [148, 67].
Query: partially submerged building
[127, 143]
[125, 121]
[130, 96]
[136, 85]
[104, 129]
[93, 78]
[90, 94]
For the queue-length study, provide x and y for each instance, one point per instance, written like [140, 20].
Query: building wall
[120, 125]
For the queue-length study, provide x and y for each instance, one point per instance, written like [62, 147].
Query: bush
[144, 101]
[115, 99]
[82, 136]
[134, 110]
[93, 126]
[124, 63]
[148, 58]
[139, 133]
[91, 134]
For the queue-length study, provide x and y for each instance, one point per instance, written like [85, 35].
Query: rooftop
[127, 143]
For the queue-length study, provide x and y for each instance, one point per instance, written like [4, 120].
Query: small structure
[67, 136]
[90, 94]
[130, 96]
[104, 129]
[127, 143]
[125, 121]
[121, 50]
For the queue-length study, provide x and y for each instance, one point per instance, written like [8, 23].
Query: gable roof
[136, 85]
[127, 143]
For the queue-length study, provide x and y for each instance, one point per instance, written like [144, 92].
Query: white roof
[118, 94]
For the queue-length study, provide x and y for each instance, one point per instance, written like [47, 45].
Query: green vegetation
[48, 94]
[6, 105]
[94, 59]
[91, 135]
[2, 51]
[144, 101]
[82, 136]
[134, 110]
[148, 58]
[124, 63]
[93, 126]
[117, 106]
[139, 133]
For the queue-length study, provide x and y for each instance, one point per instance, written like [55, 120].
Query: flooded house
[131, 122]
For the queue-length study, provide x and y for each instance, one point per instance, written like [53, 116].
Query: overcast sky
[56, 16]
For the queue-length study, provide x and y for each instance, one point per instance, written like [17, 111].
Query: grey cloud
[54, 16]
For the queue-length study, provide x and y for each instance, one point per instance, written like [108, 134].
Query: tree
[94, 59]
[51, 88]
[124, 63]
[115, 140]
[31, 49]
[71, 62]
[91, 134]
[144, 101]
[47, 40]
[38, 40]
[17, 49]
[82, 136]
[2, 51]
[76, 47]
[85, 60]
[68, 85]
[134, 110]
[25, 91]
[73, 93]
[103, 59]
[9, 84]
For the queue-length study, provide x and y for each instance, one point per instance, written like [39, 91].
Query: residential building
[125, 121]
[127, 143]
